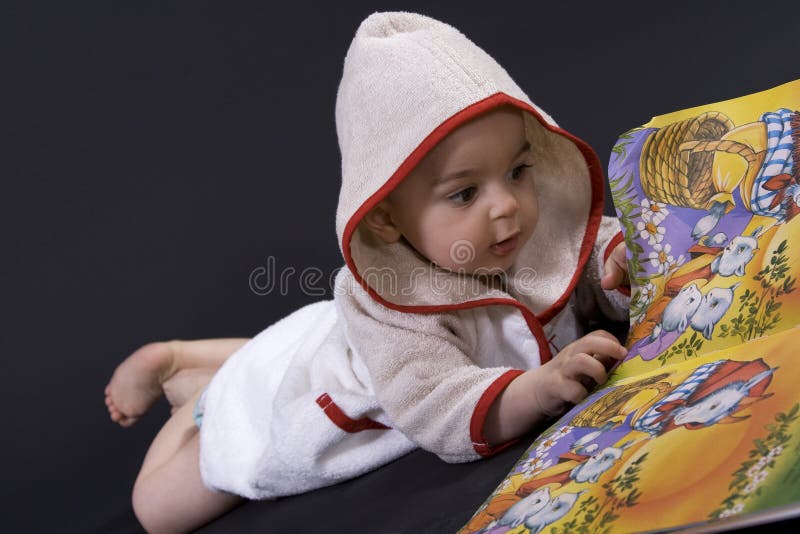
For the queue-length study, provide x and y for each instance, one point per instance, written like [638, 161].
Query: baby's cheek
[532, 211]
[533, 220]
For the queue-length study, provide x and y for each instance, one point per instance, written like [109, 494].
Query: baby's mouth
[502, 248]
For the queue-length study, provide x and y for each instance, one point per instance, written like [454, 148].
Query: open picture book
[700, 425]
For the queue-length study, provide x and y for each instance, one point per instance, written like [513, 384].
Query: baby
[472, 233]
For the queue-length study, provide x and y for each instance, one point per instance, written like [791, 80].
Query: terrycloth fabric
[265, 431]
[408, 81]
[409, 354]
[271, 426]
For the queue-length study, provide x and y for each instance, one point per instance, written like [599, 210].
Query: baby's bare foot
[182, 386]
[136, 382]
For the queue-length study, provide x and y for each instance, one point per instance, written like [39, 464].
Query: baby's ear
[379, 221]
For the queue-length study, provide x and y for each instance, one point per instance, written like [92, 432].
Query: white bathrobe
[341, 387]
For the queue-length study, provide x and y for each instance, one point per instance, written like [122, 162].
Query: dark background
[153, 154]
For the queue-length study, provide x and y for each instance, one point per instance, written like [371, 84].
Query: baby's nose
[504, 204]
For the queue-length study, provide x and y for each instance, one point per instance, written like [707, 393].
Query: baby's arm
[545, 392]
[419, 368]
[431, 389]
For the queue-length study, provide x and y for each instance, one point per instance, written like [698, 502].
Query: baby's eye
[518, 171]
[463, 196]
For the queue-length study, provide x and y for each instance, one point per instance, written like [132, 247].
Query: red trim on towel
[478, 420]
[592, 225]
[616, 240]
[342, 420]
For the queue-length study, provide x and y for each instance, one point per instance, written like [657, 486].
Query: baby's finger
[615, 268]
[584, 365]
[613, 276]
[601, 346]
[602, 333]
[608, 363]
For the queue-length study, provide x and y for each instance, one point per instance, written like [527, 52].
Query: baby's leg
[139, 380]
[169, 494]
[181, 386]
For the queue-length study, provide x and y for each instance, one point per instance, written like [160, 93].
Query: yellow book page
[707, 199]
[709, 439]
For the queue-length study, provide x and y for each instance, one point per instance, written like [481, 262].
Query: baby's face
[470, 204]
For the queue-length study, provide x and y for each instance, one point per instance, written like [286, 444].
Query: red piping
[481, 410]
[343, 421]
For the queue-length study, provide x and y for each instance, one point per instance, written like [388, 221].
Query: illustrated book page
[700, 425]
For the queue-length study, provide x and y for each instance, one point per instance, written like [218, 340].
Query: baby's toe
[125, 422]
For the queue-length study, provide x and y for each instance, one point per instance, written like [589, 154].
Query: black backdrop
[155, 153]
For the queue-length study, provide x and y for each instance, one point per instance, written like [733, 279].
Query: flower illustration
[732, 511]
[650, 231]
[638, 317]
[642, 298]
[648, 292]
[551, 439]
[654, 212]
[531, 464]
[535, 464]
[753, 473]
[545, 446]
[754, 469]
[760, 477]
[660, 257]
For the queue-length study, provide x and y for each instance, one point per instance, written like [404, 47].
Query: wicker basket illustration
[676, 160]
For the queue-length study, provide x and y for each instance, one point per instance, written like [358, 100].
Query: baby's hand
[615, 270]
[568, 377]
[546, 391]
